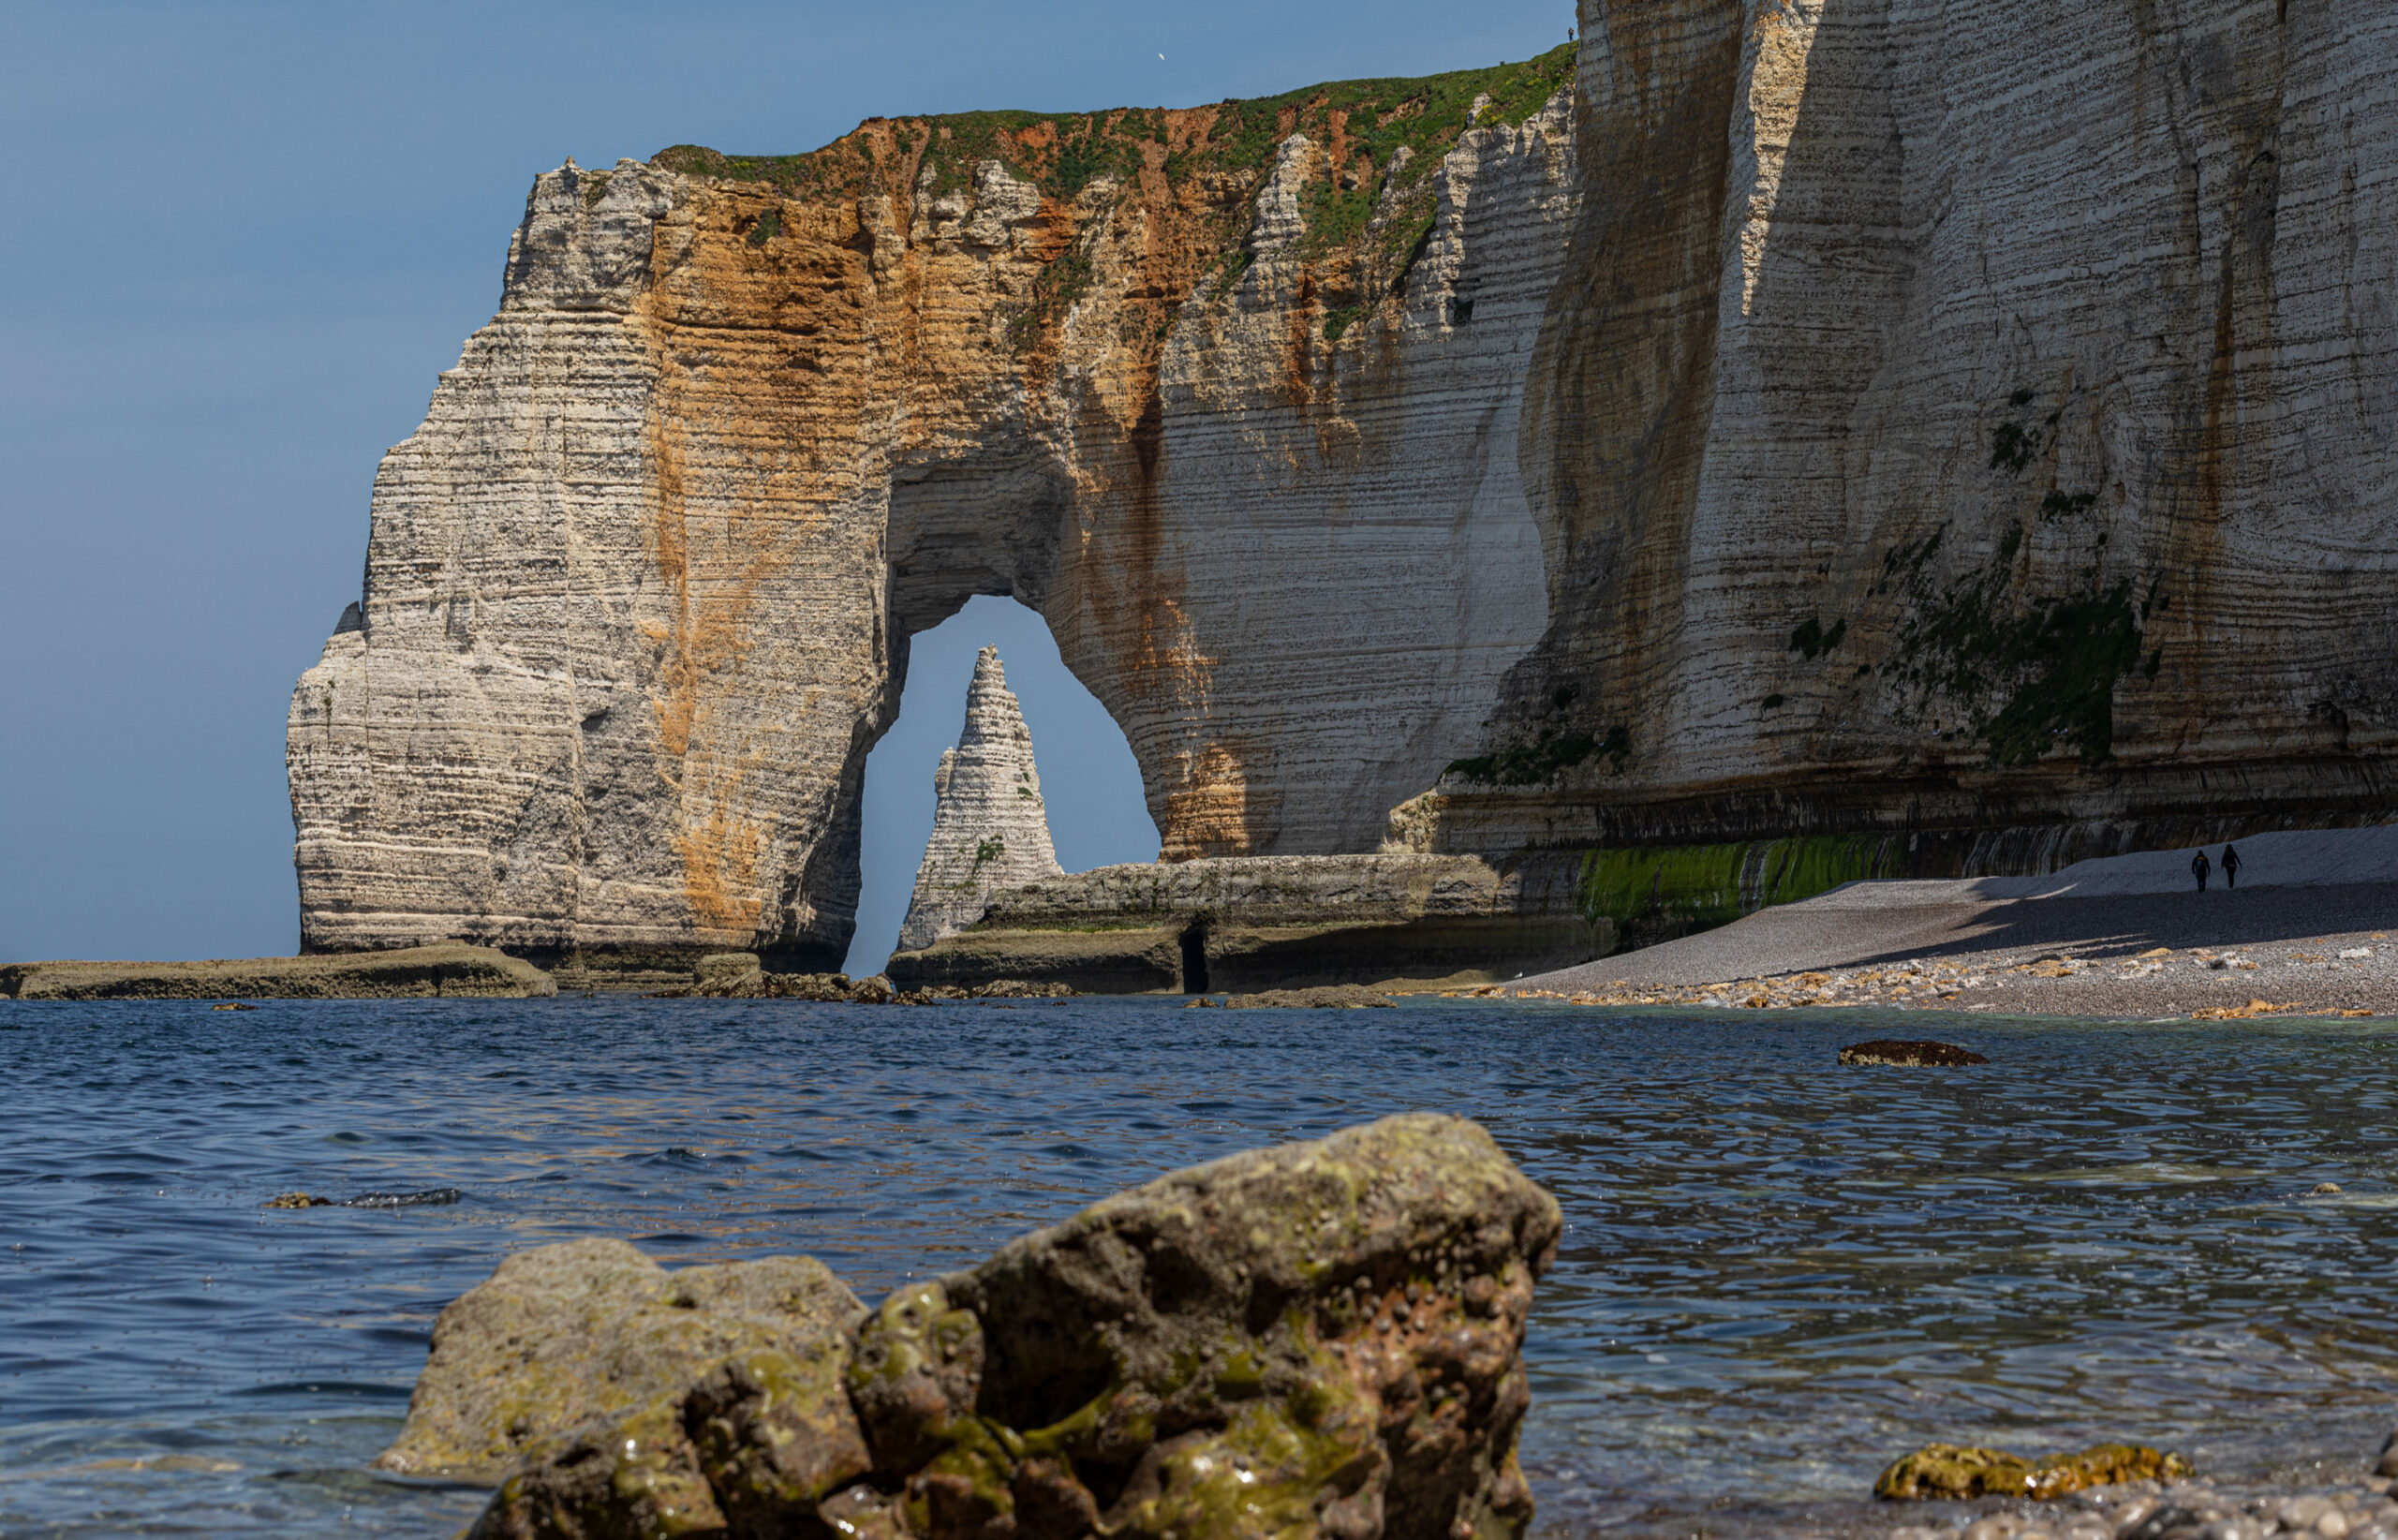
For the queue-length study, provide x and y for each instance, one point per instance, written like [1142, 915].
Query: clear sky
[242, 240]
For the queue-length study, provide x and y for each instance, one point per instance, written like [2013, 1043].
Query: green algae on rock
[1316, 1339]
[1955, 1472]
[562, 1335]
[443, 968]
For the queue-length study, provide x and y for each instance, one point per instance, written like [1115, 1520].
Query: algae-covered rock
[1321, 1338]
[1333, 1328]
[562, 1335]
[1330, 997]
[1956, 1471]
[750, 1449]
[634, 1476]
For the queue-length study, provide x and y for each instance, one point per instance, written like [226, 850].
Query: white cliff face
[1358, 563]
[1949, 424]
[1816, 417]
[990, 828]
[638, 592]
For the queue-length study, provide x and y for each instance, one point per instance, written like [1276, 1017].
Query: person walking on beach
[2199, 867]
[2230, 865]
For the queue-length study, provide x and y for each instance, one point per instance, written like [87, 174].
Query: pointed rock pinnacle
[990, 828]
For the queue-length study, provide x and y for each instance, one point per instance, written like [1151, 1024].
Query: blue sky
[243, 239]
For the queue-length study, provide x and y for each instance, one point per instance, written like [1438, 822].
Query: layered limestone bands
[1799, 419]
[1225, 393]
[1274, 922]
[1946, 425]
[990, 829]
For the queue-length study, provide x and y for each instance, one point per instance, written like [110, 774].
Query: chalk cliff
[1783, 417]
[1954, 426]
[990, 828]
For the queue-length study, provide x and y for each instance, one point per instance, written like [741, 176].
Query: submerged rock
[1956, 1471]
[431, 1195]
[1319, 1338]
[1334, 996]
[1909, 1053]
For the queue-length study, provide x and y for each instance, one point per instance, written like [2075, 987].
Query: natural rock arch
[638, 592]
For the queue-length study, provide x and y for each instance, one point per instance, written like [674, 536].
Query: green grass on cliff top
[1063, 153]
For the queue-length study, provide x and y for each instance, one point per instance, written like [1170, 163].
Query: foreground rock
[561, 1335]
[447, 969]
[1257, 922]
[1317, 1339]
[1910, 1054]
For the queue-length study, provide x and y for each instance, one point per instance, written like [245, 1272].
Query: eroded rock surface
[1318, 1339]
[1772, 420]
[560, 1336]
[441, 969]
[1260, 922]
[990, 828]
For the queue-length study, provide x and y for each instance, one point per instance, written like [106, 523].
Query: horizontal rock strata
[1221, 391]
[419, 970]
[1266, 921]
[1946, 427]
[1802, 421]
[1321, 1338]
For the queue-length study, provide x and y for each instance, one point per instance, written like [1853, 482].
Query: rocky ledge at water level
[1316, 1339]
[1274, 922]
[445, 969]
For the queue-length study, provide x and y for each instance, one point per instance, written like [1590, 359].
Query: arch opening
[1098, 813]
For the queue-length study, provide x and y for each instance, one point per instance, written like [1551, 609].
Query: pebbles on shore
[2312, 977]
[2182, 1510]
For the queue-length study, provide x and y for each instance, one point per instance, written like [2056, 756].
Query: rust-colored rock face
[1226, 393]
[1831, 416]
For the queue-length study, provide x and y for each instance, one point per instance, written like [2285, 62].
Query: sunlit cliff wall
[1230, 394]
[1835, 417]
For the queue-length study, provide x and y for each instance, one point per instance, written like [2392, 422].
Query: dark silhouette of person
[2230, 865]
[2199, 867]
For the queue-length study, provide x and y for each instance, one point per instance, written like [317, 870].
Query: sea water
[1776, 1274]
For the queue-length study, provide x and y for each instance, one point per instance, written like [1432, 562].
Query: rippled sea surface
[1777, 1274]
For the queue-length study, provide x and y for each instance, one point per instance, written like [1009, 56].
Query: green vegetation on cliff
[1364, 125]
[1692, 887]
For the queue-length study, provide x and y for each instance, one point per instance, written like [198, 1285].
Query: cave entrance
[1195, 959]
[1089, 779]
